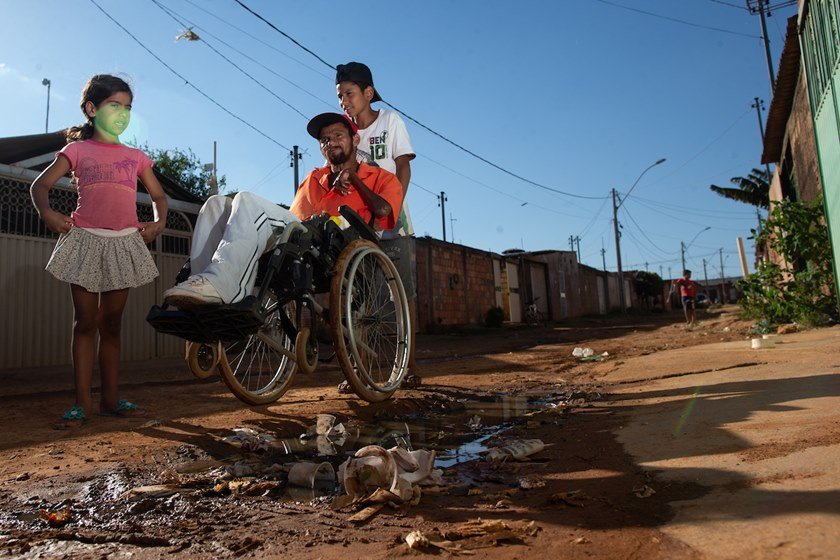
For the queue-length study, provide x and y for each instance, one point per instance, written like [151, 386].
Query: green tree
[800, 289]
[184, 167]
[648, 285]
[753, 189]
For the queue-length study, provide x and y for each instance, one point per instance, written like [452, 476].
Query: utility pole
[723, 297]
[762, 5]
[646, 267]
[660, 271]
[578, 247]
[575, 239]
[296, 156]
[618, 251]
[603, 255]
[682, 254]
[452, 226]
[442, 203]
[214, 183]
[46, 82]
[705, 276]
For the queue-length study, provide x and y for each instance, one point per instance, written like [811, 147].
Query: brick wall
[455, 284]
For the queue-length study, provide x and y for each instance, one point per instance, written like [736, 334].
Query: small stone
[22, 476]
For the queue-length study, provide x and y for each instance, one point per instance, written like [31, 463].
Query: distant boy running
[384, 141]
[688, 292]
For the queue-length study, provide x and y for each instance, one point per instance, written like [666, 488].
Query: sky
[577, 96]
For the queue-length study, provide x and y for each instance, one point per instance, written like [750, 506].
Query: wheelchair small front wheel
[203, 358]
[306, 351]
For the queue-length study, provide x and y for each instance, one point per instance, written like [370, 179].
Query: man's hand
[345, 180]
[57, 222]
[150, 230]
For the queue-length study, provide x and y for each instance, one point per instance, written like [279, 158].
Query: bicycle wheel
[370, 322]
[260, 368]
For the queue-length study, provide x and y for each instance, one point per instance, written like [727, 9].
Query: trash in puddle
[474, 423]
[248, 439]
[643, 491]
[471, 536]
[518, 450]
[326, 434]
[55, 518]
[379, 476]
[310, 475]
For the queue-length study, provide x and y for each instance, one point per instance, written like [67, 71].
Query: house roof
[783, 93]
[16, 150]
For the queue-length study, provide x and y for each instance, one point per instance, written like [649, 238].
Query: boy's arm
[404, 171]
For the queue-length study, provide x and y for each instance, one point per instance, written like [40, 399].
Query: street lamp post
[46, 82]
[684, 247]
[617, 202]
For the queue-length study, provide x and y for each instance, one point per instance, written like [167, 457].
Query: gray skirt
[102, 264]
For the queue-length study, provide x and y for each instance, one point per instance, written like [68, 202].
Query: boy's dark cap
[356, 72]
[326, 119]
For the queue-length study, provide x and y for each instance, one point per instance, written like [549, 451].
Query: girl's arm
[40, 192]
[150, 230]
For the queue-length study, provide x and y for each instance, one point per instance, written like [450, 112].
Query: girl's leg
[109, 321]
[85, 306]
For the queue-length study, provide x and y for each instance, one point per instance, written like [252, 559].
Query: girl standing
[101, 251]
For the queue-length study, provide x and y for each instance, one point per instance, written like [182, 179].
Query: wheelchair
[259, 343]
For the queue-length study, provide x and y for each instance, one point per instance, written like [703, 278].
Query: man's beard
[337, 158]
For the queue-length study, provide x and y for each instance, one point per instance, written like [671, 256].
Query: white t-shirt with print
[382, 143]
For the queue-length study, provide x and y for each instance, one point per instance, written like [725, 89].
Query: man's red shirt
[316, 195]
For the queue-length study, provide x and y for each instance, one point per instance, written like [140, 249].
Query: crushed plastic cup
[588, 352]
[310, 475]
[759, 343]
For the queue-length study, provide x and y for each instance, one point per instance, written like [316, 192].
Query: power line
[257, 39]
[232, 63]
[730, 5]
[186, 81]
[418, 123]
[690, 23]
[632, 219]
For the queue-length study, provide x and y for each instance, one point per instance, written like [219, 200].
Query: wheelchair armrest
[356, 221]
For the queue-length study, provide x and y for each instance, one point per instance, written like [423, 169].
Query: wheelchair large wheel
[370, 322]
[260, 368]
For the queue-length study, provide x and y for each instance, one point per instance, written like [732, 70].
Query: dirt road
[679, 444]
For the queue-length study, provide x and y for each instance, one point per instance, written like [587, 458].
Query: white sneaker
[195, 291]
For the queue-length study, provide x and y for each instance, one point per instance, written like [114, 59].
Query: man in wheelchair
[231, 235]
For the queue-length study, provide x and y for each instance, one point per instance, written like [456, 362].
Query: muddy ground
[482, 388]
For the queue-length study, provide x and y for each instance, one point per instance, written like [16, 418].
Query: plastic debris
[531, 482]
[248, 439]
[310, 475]
[643, 491]
[574, 498]
[326, 434]
[518, 450]
[583, 352]
[56, 518]
[470, 536]
[474, 423]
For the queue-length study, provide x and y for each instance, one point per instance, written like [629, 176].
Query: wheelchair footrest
[228, 322]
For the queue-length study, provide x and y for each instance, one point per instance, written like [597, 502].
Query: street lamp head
[45, 82]
[659, 161]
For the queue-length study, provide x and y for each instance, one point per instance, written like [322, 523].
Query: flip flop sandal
[125, 409]
[73, 418]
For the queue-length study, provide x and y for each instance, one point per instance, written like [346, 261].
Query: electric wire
[232, 63]
[730, 5]
[692, 24]
[642, 231]
[186, 81]
[423, 126]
